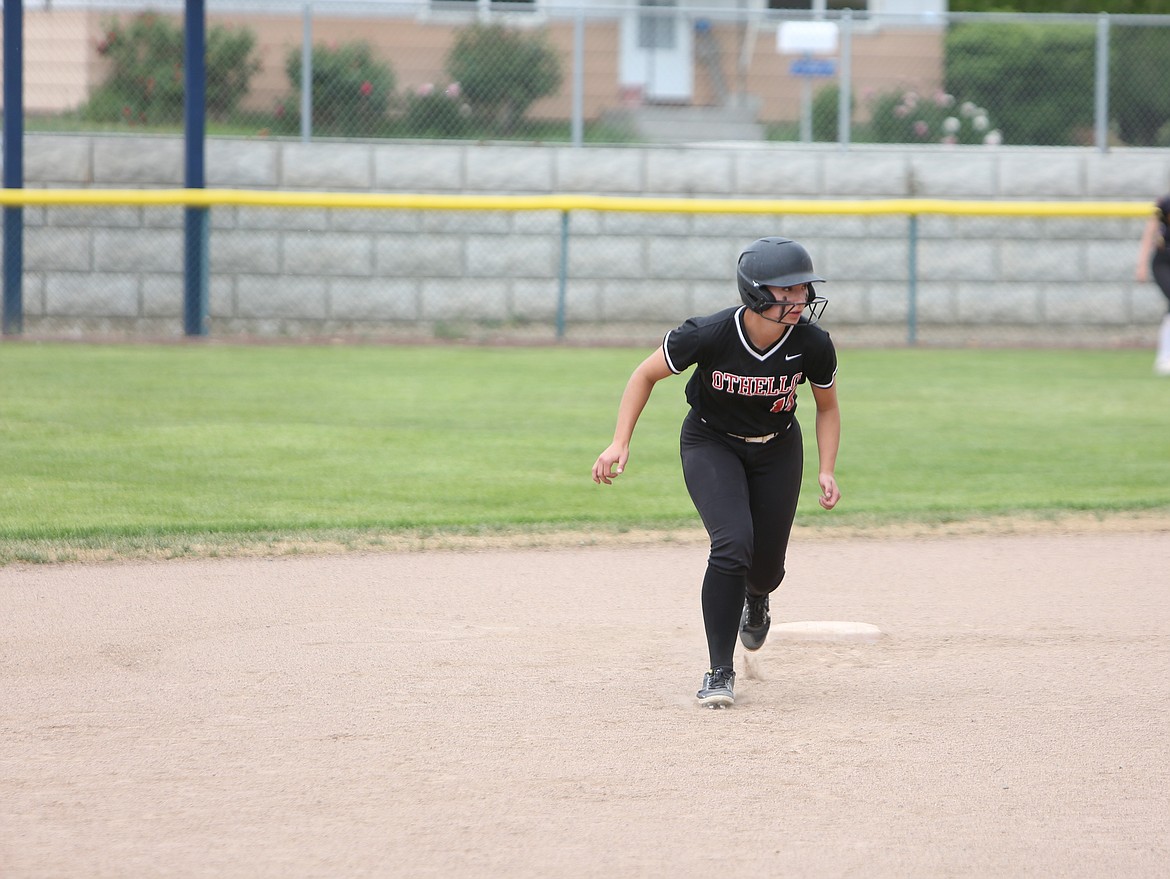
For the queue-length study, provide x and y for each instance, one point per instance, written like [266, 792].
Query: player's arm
[647, 374]
[828, 442]
[1146, 251]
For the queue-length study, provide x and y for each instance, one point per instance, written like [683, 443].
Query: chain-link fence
[569, 270]
[375, 87]
[561, 70]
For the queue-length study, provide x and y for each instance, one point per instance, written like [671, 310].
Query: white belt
[756, 439]
[752, 439]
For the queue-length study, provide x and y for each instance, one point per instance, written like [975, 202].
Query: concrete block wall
[298, 271]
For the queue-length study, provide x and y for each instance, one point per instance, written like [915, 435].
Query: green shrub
[351, 90]
[904, 116]
[1113, 7]
[230, 67]
[1138, 99]
[432, 112]
[1036, 80]
[825, 108]
[145, 84]
[502, 72]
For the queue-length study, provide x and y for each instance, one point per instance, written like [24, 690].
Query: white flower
[993, 137]
[967, 109]
[951, 124]
[980, 122]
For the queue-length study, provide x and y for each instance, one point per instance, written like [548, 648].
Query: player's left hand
[830, 493]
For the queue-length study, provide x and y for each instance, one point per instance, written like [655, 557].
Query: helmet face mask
[810, 309]
[777, 262]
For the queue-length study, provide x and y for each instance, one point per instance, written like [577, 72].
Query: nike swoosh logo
[791, 356]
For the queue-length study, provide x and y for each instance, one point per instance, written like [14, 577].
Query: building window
[656, 29]
[818, 5]
[493, 5]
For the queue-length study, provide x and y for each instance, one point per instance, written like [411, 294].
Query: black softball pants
[746, 495]
[1160, 268]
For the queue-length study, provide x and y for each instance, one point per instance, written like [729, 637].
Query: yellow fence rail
[14, 199]
[207, 198]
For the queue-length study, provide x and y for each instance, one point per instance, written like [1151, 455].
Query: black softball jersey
[736, 387]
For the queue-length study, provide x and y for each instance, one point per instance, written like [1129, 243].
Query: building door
[656, 58]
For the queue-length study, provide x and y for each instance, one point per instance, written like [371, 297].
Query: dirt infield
[530, 712]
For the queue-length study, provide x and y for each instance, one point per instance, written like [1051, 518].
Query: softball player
[1154, 256]
[741, 447]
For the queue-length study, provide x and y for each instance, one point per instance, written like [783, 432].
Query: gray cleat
[718, 688]
[755, 622]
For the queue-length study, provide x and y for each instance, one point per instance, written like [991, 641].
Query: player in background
[741, 447]
[1154, 256]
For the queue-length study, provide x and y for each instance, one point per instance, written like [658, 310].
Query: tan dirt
[529, 711]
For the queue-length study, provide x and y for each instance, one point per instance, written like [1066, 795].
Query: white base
[826, 631]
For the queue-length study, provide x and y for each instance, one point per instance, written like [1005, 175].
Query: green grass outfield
[141, 448]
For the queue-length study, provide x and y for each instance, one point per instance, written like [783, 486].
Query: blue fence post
[13, 319]
[195, 219]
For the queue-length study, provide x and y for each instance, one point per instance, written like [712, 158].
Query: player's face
[790, 303]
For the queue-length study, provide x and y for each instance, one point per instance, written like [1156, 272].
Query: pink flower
[452, 91]
[425, 89]
[367, 88]
[921, 129]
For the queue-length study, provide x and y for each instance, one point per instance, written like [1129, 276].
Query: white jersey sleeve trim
[666, 353]
[832, 381]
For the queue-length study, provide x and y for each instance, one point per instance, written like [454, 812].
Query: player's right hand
[610, 464]
[830, 493]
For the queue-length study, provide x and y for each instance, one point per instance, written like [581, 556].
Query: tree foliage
[1039, 80]
[145, 81]
[351, 89]
[1113, 7]
[1036, 81]
[502, 72]
[1138, 98]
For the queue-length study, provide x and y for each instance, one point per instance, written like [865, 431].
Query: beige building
[636, 54]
